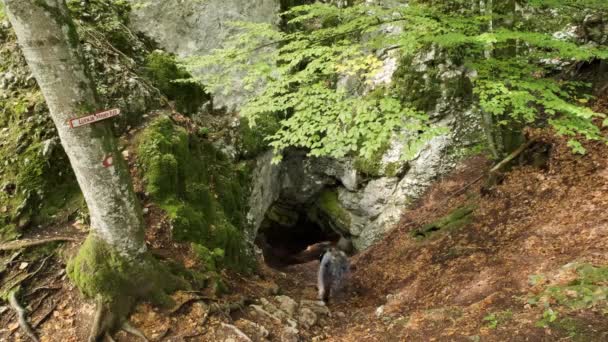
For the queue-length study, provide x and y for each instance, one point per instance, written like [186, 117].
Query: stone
[316, 306]
[380, 311]
[307, 318]
[265, 191]
[260, 330]
[287, 304]
[189, 28]
[290, 334]
[234, 334]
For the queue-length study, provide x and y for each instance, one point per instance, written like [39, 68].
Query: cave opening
[292, 238]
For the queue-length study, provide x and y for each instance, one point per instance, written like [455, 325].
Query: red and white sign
[108, 161]
[89, 119]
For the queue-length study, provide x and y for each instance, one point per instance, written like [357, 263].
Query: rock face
[358, 200]
[189, 28]
[364, 200]
[195, 28]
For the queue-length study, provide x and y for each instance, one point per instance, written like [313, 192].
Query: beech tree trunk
[49, 41]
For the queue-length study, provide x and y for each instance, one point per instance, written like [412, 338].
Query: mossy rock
[329, 204]
[457, 219]
[162, 69]
[203, 193]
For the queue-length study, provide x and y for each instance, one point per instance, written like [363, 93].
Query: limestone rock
[307, 318]
[290, 334]
[287, 304]
[234, 334]
[189, 28]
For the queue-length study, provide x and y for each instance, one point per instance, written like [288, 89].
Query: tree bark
[112, 264]
[50, 43]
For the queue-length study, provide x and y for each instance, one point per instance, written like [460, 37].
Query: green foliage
[301, 83]
[252, 139]
[162, 70]
[589, 290]
[2, 15]
[202, 192]
[515, 60]
[496, 318]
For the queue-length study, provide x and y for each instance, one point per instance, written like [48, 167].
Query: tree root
[18, 244]
[21, 316]
[104, 323]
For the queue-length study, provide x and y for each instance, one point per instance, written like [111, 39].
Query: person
[332, 275]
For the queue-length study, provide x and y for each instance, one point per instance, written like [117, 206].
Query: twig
[18, 244]
[21, 315]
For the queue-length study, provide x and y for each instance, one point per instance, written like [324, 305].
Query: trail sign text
[85, 120]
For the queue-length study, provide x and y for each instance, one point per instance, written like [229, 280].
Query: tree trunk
[112, 264]
[49, 41]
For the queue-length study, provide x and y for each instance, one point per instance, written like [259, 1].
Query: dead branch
[21, 315]
[18, 244]
[512, 156]
[495, 168]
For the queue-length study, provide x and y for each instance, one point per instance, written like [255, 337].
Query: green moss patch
[37, 186]
[162, 69]
[329, 205]
[100, 270]
[202, 192]
[457, 219]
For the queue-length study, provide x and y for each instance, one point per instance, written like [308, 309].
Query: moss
[162, 69]
[252, 139]
[457, 219]
[97, 269]
[43, 189]
[329, 204]
[373, 166]
[202, 192]
[283, 216]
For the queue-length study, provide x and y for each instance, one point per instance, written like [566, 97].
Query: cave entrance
[286, 234]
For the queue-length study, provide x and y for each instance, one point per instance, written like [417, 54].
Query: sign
[89, 119]
[108, 161]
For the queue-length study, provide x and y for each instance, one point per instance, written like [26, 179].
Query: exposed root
[21, 316]
[104, 323]
[29, 243]
[45, 316]
[127, 327]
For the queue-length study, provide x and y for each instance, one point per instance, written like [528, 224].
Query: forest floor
[524, 260]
